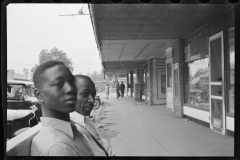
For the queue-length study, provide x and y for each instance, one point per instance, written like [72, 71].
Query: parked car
[19, 121]
[23, 109]
[20, 95]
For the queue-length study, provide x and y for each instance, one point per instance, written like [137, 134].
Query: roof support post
[131, 83]
[150, 84]
[127, 83]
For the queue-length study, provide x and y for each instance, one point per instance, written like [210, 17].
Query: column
[127, 84]
[150, 72]
[131, 82]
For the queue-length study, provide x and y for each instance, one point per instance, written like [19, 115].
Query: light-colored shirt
[59, 138]
[85, 122]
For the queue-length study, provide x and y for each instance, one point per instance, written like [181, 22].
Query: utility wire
[47, 47]
[34, 64]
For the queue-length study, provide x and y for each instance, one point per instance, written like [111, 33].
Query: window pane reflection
[169, 75]
[198, 85]
[232, 70]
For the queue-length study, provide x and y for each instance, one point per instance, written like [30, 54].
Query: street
[137, 129]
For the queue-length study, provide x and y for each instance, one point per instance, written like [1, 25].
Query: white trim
[169, 51]
[197, 113]
[217, 97]
[216, 83]
[216, 36]
[230, 123]
[168, 89]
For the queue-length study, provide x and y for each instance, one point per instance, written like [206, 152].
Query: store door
[216, 62]
[169, 84]
[159, 82]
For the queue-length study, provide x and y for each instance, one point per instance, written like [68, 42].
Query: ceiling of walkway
[137, 32]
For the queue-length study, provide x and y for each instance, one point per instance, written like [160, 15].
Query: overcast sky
[33, 27]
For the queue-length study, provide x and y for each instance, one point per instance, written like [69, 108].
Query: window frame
[176, 92]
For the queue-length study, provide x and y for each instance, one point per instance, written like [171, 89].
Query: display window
[169, 75]
[196, 51]
[197, 84]
[176, 79]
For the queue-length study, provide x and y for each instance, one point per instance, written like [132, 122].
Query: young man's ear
[37, 94]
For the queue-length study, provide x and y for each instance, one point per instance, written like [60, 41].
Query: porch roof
[129, 34]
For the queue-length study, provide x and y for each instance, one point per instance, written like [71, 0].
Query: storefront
[209, 64]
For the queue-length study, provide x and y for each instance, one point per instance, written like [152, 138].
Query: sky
[33, 27]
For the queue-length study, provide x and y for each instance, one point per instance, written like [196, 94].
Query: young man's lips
[71, 100]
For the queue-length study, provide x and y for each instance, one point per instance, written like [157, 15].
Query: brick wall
[178, 51]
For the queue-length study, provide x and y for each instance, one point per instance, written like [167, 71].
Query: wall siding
[178, 58]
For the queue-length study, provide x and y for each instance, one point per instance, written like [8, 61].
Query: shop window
[197, 84]
[176, 80]
[231, 42]
[169, 75]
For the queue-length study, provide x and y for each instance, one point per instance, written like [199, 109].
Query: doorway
[217, 104]
[159, 82]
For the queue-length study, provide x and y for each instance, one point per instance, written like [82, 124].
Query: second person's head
[86, 93]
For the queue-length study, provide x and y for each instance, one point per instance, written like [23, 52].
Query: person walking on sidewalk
[117, 89]
[85, 102]
[107, 90]
[122, 88]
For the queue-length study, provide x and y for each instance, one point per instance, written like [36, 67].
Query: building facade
[194, 77]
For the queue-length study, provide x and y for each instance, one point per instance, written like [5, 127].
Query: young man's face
[85, 96]
[58, 90]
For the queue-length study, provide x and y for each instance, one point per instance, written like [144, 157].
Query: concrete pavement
[143, 130]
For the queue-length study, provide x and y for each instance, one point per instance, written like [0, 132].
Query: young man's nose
[70, 88]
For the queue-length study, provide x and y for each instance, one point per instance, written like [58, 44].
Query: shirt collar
[58, 124]
[78, 118]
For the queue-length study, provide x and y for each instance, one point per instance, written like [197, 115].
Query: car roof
[26, 83]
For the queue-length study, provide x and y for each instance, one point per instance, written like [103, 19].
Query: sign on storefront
[175, 66]
[196, 44]
[217, 123]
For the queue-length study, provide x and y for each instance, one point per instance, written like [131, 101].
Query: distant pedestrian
[122, 88]
[107, 90]
[117, 89]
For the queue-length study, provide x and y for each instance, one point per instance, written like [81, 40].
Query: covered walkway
[143, 130]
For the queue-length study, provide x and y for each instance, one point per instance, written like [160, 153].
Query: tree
[200, 72]
[54, 54]
[25, 72]
[95, 76]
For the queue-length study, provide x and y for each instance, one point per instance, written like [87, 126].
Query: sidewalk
[137, 129]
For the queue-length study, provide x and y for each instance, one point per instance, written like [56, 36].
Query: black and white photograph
[119, 80]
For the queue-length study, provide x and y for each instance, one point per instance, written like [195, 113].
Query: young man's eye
[59, 84]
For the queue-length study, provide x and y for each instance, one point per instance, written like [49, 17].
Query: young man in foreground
[56, 91]
[85, 102]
